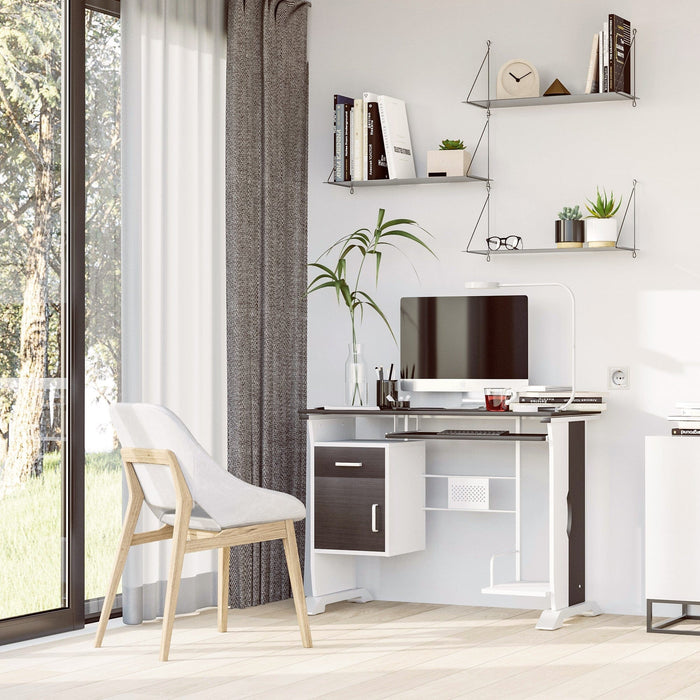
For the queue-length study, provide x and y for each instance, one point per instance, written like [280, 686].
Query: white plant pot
[449, 163]
[601, 233]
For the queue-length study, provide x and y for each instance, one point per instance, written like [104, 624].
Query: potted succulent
[601, 225]
[359, 247]
[569, 228]
[450, 160]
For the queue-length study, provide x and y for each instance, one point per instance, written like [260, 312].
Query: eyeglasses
[509, 242]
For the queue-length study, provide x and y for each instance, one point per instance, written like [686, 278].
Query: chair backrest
[144, 425]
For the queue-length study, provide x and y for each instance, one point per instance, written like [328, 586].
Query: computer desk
[366, 497]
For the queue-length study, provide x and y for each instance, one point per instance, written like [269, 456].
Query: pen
[391, 370]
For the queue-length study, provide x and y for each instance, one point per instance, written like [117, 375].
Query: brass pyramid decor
[556, 88]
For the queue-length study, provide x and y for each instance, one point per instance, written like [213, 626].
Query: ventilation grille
[468, 492]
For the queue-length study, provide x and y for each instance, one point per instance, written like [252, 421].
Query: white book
[358, 117]
[397, 138]
[367, 97]
[351, 143]
[592, 77]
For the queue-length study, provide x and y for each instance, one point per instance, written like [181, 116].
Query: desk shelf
[470, 510]
[534, 589]
[510, 437]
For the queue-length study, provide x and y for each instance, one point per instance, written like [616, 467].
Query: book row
[609, 68]
[371, 138]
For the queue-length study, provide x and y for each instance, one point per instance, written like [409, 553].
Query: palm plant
[363, 243]
[366, 243]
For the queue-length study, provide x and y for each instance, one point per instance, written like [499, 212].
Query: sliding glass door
[42, 218]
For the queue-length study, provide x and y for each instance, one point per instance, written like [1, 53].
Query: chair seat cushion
[244, 504]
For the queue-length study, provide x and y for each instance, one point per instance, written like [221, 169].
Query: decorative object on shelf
[601, 225]
[556, 88]
[450, 160]
[468, 492]
[364, 243]
[517, 78]
[509, 243]
[569, 229]
[499, 285]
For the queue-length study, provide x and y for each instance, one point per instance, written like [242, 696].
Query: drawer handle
[375, 508]
[348, 464]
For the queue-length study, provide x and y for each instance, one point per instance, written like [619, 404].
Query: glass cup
[497, 399]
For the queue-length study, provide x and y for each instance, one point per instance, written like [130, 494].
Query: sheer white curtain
[174, 339]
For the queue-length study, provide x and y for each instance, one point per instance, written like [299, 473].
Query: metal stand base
[662, 627]
[554, 619]
[316, 604]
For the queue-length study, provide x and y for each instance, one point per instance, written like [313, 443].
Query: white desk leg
[316, 604]
[554, 619]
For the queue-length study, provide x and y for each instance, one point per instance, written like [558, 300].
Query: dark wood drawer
[343, 515]
[349, 462]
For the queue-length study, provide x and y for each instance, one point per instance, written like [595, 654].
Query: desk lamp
[500, 285]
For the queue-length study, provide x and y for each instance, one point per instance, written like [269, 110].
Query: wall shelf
[552, 100]
[531, 251]
[440, 180]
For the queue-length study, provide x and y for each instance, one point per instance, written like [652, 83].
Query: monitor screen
[464, 338]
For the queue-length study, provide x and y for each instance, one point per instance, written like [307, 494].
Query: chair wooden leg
[222, 605]
[292, 555]
[130, 520]
[176, 558]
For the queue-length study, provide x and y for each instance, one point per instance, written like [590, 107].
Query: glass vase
[356, 375]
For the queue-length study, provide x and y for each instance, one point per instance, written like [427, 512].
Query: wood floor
[365, 651]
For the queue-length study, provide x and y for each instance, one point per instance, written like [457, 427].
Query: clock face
[518, 78]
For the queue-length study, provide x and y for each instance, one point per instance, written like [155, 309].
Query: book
[592, 77]
[558, 391]
[606, 56]
[397, 138]
[601, 36]
[340, 102]
[518, 407]
[685, 421]
[376, 155]
[358, 128]
[685, 431]
[346, 141]
[620, 42]
[560, 399]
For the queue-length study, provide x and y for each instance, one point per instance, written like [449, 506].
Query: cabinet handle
[375, 507]
[348, 464]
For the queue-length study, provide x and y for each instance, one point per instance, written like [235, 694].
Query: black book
[620, 32]
[685, 431]
[376, 155]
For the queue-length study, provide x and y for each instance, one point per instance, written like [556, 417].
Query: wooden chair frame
[186, 539]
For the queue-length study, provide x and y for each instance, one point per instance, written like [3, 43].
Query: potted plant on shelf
[450, 160]
[601, 225]
[359, 246]
[569, 228]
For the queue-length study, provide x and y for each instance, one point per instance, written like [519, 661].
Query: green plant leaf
[410, 236]
[374, 306]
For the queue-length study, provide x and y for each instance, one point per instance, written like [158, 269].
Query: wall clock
[517, 78]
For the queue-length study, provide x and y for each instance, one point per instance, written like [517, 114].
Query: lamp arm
[573, 330]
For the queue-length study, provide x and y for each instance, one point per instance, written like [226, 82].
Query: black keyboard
[473, 432]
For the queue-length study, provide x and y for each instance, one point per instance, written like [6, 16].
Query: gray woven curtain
[266, 192]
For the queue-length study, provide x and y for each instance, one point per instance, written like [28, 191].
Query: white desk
[332, 576]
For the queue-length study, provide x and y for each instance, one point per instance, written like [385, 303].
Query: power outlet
[618, 377]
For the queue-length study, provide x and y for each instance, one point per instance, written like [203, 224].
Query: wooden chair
[197, 521]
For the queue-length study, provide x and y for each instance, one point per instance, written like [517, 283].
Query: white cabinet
[672, 523]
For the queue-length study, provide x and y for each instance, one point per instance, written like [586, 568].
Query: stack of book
[687, 418]
[609, 66]
[371, 139]
[542, 401]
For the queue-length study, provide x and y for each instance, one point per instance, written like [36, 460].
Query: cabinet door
[349, 513]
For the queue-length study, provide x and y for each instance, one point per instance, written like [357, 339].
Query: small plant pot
[601, 233]
[569, 233]
[448, 163]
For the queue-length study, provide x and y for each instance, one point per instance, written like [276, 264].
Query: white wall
[637, 313]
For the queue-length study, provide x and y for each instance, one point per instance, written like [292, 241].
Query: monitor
[464, 343]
